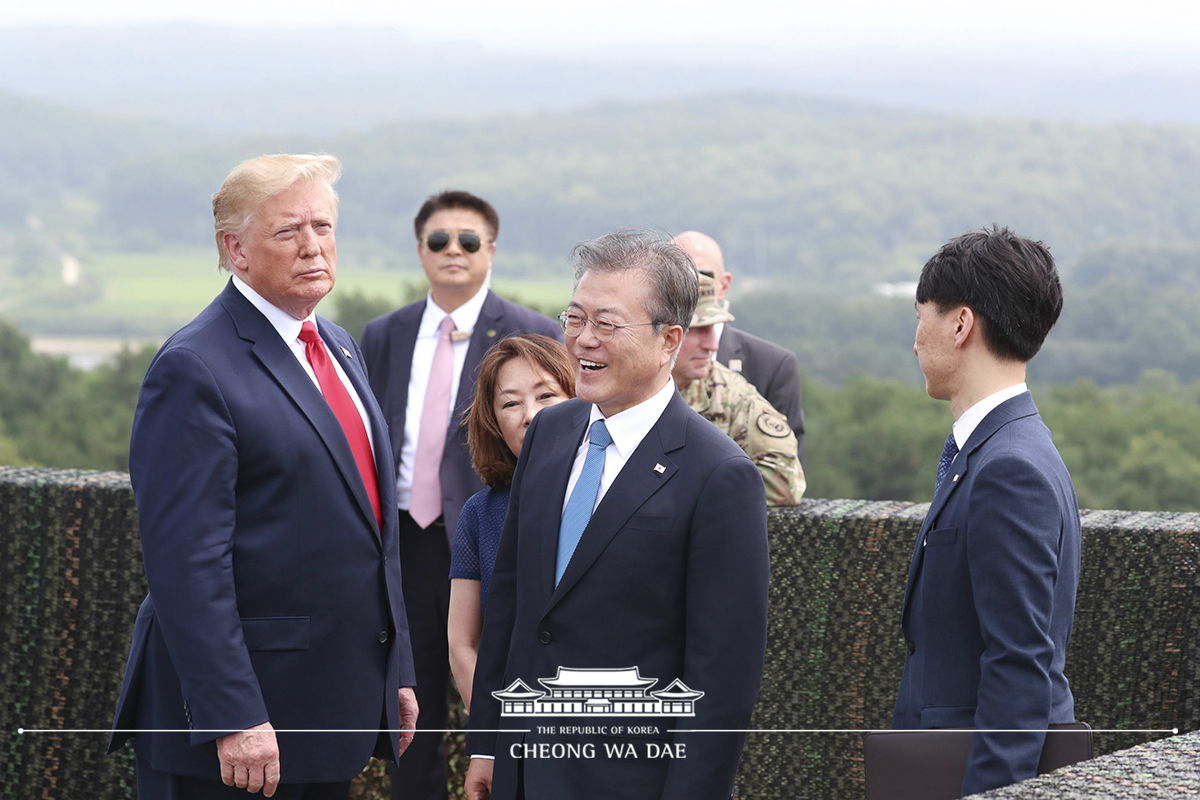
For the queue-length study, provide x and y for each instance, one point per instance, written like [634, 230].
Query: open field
[140, 297]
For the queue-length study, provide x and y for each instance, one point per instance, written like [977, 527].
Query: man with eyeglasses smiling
[636, 537]
[422, 360]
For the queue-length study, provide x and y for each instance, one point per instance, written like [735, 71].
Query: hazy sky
[567, 26]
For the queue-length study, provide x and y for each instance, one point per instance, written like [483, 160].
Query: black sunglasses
[438, 240]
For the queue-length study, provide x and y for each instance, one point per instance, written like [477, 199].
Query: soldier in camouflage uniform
[726, 399]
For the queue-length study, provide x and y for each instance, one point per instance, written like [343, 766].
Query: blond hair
[253, 182]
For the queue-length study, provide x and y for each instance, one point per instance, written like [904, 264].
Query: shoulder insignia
[735, 364]
[773, 425]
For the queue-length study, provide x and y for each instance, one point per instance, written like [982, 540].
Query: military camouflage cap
[709, 310]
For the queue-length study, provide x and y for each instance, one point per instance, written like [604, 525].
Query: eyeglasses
[604, 328]
[438, 240]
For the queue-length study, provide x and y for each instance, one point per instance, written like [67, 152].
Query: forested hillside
[796, 189]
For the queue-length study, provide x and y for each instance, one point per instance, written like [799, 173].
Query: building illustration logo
[598, 693]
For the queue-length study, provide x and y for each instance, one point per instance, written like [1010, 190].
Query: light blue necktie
[583, 498]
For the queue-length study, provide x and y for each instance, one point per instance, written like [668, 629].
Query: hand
[408, 716]
[250, 759]
[478, 784]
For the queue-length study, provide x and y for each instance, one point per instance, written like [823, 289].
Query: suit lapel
[634, 485]
[553, 479]
[1011, 409]
[483, 337]
[403, 339]
[279, 361]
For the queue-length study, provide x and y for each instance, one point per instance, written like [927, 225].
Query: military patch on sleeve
[773, 425]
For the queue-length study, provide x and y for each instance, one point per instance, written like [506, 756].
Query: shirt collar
[283, 322]
[627, 428]
[465, 316]
[974, 415]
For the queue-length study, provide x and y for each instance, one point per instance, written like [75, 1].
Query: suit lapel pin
[346, 353]
[660, 469]
[491, 334]
[956, 479]
[735, 364]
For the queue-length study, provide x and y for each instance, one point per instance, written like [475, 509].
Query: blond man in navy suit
[270, 551]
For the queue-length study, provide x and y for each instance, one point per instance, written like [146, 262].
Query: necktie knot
[949, 451]
[447, 326]
[308, 333]
[600, 437]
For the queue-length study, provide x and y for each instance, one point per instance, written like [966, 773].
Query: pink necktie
[425, 505]
[344, 409]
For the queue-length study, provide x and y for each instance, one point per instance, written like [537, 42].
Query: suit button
[544, 637]
[383, 637]
[912, 648]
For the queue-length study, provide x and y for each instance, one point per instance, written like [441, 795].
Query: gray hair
[253, 182]
[666, 265]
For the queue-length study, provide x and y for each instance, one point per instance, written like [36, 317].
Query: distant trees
[1127, 446]
[52, 414]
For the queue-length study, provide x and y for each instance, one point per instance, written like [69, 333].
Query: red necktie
[344, 409]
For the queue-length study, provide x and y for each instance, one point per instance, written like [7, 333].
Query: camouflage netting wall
[835, 652]
[71, 580]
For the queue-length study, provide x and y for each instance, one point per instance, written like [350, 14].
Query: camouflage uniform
[727, 400]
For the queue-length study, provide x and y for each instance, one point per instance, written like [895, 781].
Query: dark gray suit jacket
[771, 369]
[387, 345]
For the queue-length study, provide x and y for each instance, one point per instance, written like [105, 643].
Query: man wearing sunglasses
[422, 370]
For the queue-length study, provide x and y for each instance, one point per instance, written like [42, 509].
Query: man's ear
[965, 325]
[723, 285]
[672, 339]
[237, 254]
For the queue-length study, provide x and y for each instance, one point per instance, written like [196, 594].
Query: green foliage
[54, 415]
[354, 309]
[27, 380]
[872, 439]
[87, 425]
[1127, 447]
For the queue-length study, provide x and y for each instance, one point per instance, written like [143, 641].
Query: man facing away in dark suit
[274, 630]
[990, 599]
[634, 553]
[424, 379]
[773, 370]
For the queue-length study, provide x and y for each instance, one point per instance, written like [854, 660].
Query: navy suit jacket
[771, 369]
[670, 576]
[273, 596]
[990, 598]
[387, 344]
